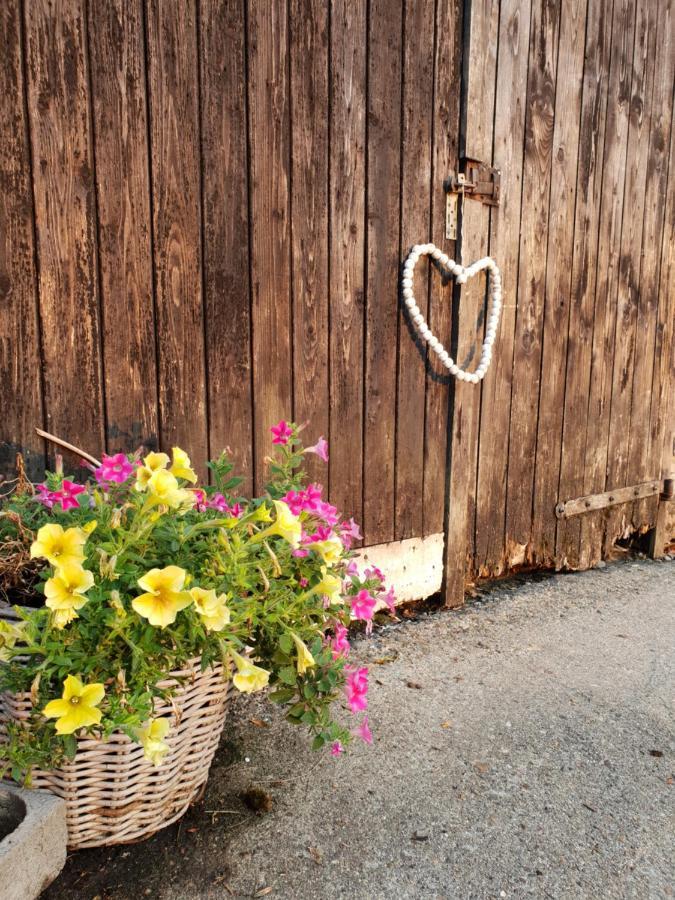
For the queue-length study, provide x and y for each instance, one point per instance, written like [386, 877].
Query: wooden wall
[204, 206]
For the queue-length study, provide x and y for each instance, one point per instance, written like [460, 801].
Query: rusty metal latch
[475, 180]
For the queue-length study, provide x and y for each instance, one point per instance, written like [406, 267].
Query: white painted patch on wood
[414, 567]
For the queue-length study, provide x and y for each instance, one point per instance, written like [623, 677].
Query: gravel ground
[523, 747]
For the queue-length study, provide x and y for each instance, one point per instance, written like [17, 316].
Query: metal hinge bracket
[613, 498]
[475, 180]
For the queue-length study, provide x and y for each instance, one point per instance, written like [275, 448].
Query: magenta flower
[390, 599]
[312, 496]
[114, 469]
[364, 732]
[66, 496]
[356, 689]
[45, 496]
[340, 644]
[303, 582]
[326, 512]
[336, 748]
[281, 433]
[295, 501]
[200, 500]
[363, 605]
[352, 568]
[320, 448]
[374, 573]
[349, 531]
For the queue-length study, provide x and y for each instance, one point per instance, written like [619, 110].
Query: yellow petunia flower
[330, 585]
[153, 462]
[213, 610]
[181, 467]
[9, 635]
[286, 525]
[164, 597]
[151, 738]
[163, 488]
[67, 587]
[249, 678]
[63, 617]
[78, 706]
[305, 659]
[57, 546]
[330, 550]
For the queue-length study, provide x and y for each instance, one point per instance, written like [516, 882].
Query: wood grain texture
[269, 142]
[416, 188]
[347, 150]
[539, 127]
[309, 227]
[20, 380]
[608, 257]
[557, 301]
[382, 252]
[445, 146]
[586, 230]
[512, 67]
[480, 65]
[175, 145]
[222, 55]
[118, 88]
[65, 214]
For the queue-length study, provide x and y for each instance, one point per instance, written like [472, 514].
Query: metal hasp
[475, 180]
[612, 498]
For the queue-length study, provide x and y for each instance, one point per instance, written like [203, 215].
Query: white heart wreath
[461, 275]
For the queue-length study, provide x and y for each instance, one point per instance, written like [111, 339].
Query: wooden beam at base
[413, 567]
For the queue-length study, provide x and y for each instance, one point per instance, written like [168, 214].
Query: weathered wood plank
[226, 231]
[346, 235]
[558, 300]
[269, 143]
[383, 178]
[586, 230]
[539, 125]
[118, 88]
[445, 141]
[512, 67]
[309, 227]
[20, 375]
[608, 255]
[65, 214]
[642, 458]
[480, 64]
[416, 190]
[628, 288]
[174, 121]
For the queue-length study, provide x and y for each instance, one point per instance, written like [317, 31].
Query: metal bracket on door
[475, 180]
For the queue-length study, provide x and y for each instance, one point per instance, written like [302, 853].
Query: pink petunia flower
[295, 500]
[320, 448]
[340, 644]
[352, 568]
[327, 512]
[45, 496]
[363, 605]
[336, 748]
[114, 469]
[390, 599]
[312, 496]
[281, 433]
[66, 496]
[356, 689]
[200, 500]
[374, 572]
[364, 732]
[303, 582]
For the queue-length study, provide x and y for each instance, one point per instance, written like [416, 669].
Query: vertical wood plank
[383, 174]
[226, 229]
[586, 230]
[445, 146]
[174, 119]
[561, 221]
[480, 63]
[269, 142]
[309, 227]
[65, 212]
[628, 288]
[609, 247]
[512, 67]
[20, 375]
[346, 234]
[539, 126]
[117, 54]
[644, 460]
[416, 189]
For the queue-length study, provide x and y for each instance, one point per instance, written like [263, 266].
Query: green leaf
[286, 643]
[282, 696]
[318, 742]
[288, 675]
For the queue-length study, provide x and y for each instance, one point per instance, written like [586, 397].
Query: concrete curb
[34, 852]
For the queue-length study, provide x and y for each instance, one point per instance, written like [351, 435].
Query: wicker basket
[113, 794]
